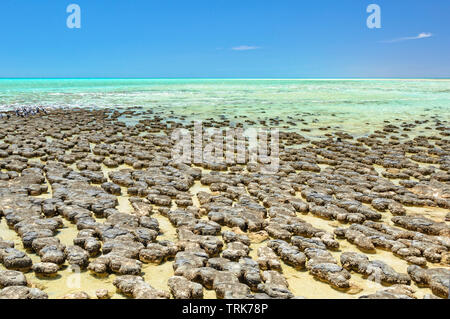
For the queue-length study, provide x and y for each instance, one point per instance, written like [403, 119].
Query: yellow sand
[66, 281]
[301, 283]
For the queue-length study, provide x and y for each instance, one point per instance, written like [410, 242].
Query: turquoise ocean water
[349, 104]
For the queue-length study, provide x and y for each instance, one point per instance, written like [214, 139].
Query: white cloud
[244, 48]
[422, 35]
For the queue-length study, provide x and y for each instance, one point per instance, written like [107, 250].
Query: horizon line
[226, 78]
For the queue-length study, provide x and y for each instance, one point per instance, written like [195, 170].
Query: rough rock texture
[22, 292]
[12, 278]
[136, 287]
[438, 279]
[227, 227]
[181, 288]
[394, 292]
[376, 270]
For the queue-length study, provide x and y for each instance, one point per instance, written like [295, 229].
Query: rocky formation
[328, 191]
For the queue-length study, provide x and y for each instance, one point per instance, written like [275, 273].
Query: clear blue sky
[195, 38]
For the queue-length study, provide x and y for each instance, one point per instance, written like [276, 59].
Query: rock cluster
[69, 168]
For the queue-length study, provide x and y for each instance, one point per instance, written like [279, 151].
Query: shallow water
[356, 106]
[69, 282]
[68, 233]
[349, 104]
[168, 232]
[157, 275]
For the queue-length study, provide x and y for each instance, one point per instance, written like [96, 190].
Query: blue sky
[182, 38]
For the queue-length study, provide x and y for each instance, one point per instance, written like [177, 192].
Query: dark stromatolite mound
[376, 270]
[181, 288]
[158, 252]
[356, 184]
[414, 247]
[15, 259]
[437, 190]
[12, 278]
[45, 268]
[22, 292]
[275, 285]
[267, 259]
[394, 292]
[136, 287]
[322, 265]
[81, 295]
[422, 224]
[438, 279]
[288, 253]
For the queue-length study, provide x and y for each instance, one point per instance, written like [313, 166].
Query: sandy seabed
[93, 208]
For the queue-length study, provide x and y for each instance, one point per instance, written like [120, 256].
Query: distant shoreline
[245, 79]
